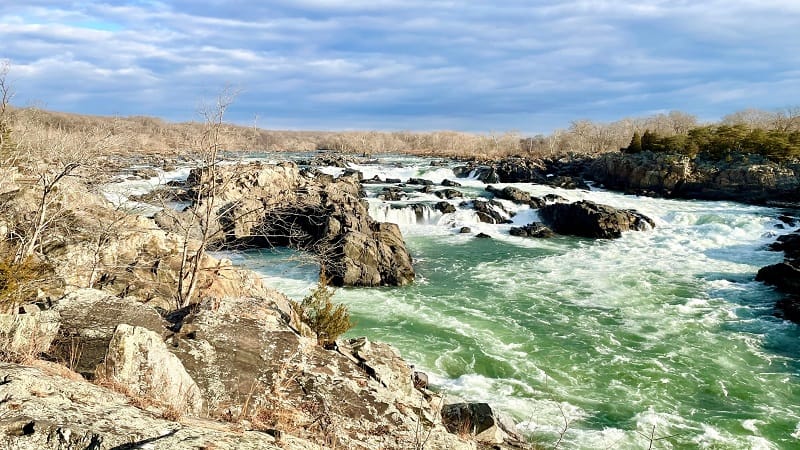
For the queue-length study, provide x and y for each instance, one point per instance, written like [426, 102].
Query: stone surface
[267, 205]
[45, 411]
[89, 318]
[139, 359]
[589, 219]
[480, 421]
[678, 176]
[535, 229]
[27, 334]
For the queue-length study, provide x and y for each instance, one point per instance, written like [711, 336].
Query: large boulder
[535, 229]
[482, 422]
[138, 359]
[784, 276]
[592, 220]
[89, 318]
[44, 410]
[28, 333]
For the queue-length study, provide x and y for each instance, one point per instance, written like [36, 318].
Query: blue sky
[531, 66]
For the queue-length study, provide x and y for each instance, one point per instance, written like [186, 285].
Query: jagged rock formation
[678, 176]
[535, 229]
[265, 205]
[43, 409]
[785, 276]
[563, 173]
[589, 219]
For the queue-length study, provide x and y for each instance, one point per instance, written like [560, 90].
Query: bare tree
[203, 209]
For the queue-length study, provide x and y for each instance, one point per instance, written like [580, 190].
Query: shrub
[18, 281]
[325, 318]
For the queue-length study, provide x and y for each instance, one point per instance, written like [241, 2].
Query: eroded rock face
[263, 205]
[678, 176]
[139, 359]
[45, 411]
[243, 350]
[535, 229]
[785, 276]
[589, 219]
[29, 333]
[89, 318]
[481, 421]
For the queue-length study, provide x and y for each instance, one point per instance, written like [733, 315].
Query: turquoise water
[660, 333]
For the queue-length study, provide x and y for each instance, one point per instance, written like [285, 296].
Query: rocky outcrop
[490, 211]
[589, 219]
[785, 276]
[266, 205]
[482, 422]
[27, 333]
[138, 359]
[89, 318]
[42, 410]
[535, 229]
[678, 176]
[564, 173]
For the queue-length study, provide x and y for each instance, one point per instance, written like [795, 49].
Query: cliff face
[678, 176]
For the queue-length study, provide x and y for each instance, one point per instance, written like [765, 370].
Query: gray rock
[138, 359]
[589, 219]
[28, 334]
[89, 318]
[481, 421]
[535, 229]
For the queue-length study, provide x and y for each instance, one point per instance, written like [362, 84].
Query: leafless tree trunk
[205, 202]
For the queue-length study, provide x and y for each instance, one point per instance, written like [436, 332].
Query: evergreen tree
[648, 141]
[636, 143]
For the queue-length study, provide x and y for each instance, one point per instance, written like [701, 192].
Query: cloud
[403, 64]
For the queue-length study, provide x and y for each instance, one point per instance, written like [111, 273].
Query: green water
[661, 333]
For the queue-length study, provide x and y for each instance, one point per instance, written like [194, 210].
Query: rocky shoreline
[104, 358]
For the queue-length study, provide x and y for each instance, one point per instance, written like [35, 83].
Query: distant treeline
[773, 134]
[722, 142]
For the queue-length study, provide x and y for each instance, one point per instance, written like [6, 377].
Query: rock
[535, 229]
[514, 194]
[465, 230]
[391, 194]
[789, 244]
[268, 205]
[45, 411]
[784, 276]
[789, 308]
[448, 194]
[393, 181]
[589, 219]
[27, 334]
[138, 359]
[482, 236]
[679, 176]
[89, 319]
[480, 421]
[449, 183]
[445, 207]
[488, 213]
[382, 362]
[374, 180]
[420, 380]
[419, 181]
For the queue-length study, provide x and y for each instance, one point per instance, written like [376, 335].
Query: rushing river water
[660, 337]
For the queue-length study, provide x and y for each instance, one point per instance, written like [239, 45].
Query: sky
[531, 66]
